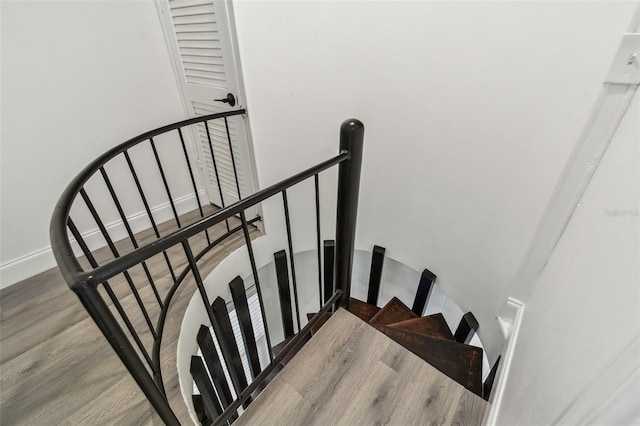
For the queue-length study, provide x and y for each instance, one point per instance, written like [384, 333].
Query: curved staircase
[364, 364]
[351, 374]
[370, 339]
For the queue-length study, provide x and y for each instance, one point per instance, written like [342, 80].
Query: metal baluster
[215, 169]
[108, 325]
[164, 181]
[293, 266]
[125, 221]
[254, 270]
[193, 180]
[317, 190]
[115, 253]
[92, 261]
[233, 159]
[146, 207]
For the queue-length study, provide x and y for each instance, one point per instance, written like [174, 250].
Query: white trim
[602, 124]
[509, 317]
[516, 308]
[600, 127]
[251, 181]
[23, 267]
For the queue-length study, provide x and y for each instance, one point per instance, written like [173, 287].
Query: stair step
[214, 366]
[467, 328]
[427, 279]
[324, 318]
[349, 373]
[392, 312]
[198, 406]
[461, 362]
[375, 274]
[221, 316]
[488, 383]
[284, 292]
[362, 310]
[241, 304]
[210, 402]
[432, 325]
[329, 256]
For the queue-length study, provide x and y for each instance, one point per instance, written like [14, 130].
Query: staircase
[358, 362]
[351, 374]
[429, 338]
[370, 340]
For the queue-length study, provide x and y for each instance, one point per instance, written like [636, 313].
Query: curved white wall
[471, 110]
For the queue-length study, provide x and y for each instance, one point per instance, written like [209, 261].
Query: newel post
[351, 140]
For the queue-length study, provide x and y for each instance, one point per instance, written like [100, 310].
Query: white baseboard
[16, 270]
[510, 324]
[30, 264]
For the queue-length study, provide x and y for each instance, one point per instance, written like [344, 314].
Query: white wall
[77, 79]
[471, 110]
[585, 308]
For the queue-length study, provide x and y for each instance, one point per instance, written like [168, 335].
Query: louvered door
[198, 33]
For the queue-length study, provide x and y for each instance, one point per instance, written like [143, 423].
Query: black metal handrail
[60, 244]
[123, 263]
[145, 368]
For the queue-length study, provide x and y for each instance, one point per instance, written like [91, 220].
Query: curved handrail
[147, 370]
[132, 258]
[60, 244]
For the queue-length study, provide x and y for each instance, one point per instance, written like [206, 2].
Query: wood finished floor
[351, 374]
[56, 368]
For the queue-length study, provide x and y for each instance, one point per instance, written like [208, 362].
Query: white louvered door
[198, 33]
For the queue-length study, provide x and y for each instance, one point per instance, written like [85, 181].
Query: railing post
[351, 139]
[106, 322]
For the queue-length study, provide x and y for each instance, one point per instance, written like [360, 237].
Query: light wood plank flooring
[351, 374]
[56, 368]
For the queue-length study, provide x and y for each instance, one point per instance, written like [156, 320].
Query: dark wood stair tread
[462, 363]
[362, 310]
[392, 312]
[432, 325]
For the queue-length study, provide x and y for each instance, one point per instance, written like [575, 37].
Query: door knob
[230, 99]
